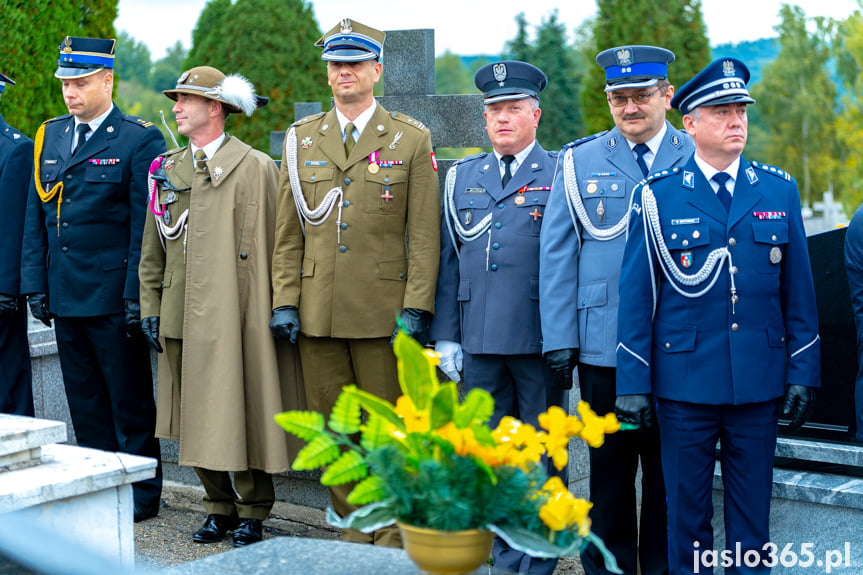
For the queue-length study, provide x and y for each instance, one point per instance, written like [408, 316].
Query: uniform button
[386, 180]
[494, 267]
[732, 242]
[696, 234]
[470, 203]
[500, 205]
[64, 249]
[343, 249]
[684, 243]
[68, 200]
[162, 283]
[734, 327]
[782, 339]
[667, 345]
[733, 270]
[673, 236]
[103, 176]
[773, 237]
[347, 181]
[346, 204]
[65, 225]
[344, 226]
[312, 178]
[497, 225]
[495, 246]
[68, 176]
[401, 276]
[243, 255]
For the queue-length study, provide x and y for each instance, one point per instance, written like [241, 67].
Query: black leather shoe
[143, 512]
[215, 528]
[248, 531]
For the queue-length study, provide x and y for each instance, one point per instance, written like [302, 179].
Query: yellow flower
[557, 422]
[465, 443]
[596, 427]
[415, 421]
[563, 509]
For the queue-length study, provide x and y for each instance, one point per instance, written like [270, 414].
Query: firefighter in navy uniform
[16, 167]
[717, 321]
[82, 243]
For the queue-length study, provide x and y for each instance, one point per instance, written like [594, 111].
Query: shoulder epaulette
[173, 151]
[471, 158]
[772, 170]
[661, 174]
[584, 140]
[408, 120]
[553, 154]
[63, 117]
[137, 121]
[307, 119]
[15, 136]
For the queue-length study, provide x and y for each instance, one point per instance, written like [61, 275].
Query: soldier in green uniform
[358, 185]
[205, 289]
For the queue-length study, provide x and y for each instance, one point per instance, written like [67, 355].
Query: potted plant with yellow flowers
[433, 465]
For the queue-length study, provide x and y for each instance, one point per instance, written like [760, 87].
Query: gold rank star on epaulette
[144, 122]
[772, 170]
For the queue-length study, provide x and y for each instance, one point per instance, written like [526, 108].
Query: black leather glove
[285, 323]
[8, 304]
[39, 307]
[798, 405]
[635, 409]
[150, 329]
[416, 323]
[132, 310]
[562, 362]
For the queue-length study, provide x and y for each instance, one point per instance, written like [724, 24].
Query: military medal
[218, 172]
[686, 259]
[519, 199]
[169, 164]
[591, 188]
[386, 196]
[166, 217]
[467, 218]
[600, 211]
[170, 198]
[395, 141]
[775, 255]
[373, 163]
[306, 143]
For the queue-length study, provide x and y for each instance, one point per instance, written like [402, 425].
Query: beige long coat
[234, 377]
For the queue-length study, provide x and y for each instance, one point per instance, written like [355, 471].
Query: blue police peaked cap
[84, 56]
[509, 80]
[723, 81]
[350, 41]
[4, 79]
[634, 66]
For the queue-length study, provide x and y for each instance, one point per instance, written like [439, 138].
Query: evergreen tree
[32, 33]
[451, 75]
[676, 25]
[271, 43]
[797, 103]
[167, 69]
[132, 63]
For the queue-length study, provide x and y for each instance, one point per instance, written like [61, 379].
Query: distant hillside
[756, 54]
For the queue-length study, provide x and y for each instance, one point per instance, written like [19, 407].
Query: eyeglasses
[619, 101]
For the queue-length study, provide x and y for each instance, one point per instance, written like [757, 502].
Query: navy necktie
[82, 130]
[722, 193]
[507, 174]
[640, 150]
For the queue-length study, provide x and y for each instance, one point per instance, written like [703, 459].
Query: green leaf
[369, 490]
[376, 405]
[443, 405]
[304, 424]
[319, 452]
[346, 415]
[375, 433]
[417, 375]
[482, 434]
[349, 467]
[608, 556]
[478, 406]
[531, 543]
[366, 519]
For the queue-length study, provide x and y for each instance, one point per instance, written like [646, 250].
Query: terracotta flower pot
[435, 551]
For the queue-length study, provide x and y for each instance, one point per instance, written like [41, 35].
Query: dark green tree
[270, 42]
[32, 32]
[451, 75]
[797, 103]
[677, 25]
[519, 48]
[167, 69]
[132, 63]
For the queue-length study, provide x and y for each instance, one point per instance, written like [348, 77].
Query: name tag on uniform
[50, 162]
[474, 190]
[685, 221]
[316, 162]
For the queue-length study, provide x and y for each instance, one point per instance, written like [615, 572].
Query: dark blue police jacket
[16, 167]
[87, 261]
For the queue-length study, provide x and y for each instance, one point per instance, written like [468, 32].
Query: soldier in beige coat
[357, 235]
[206, 290]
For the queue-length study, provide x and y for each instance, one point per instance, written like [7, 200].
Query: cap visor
[629, 85]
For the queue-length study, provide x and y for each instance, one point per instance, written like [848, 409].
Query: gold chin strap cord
[57, 190]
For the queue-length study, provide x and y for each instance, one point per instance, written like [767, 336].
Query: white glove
[450, 358]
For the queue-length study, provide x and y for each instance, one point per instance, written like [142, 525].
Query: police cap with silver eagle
[509, 80]
[235, 92]
[350, 41]
[634, 66]
[81, 57]
[723, 81]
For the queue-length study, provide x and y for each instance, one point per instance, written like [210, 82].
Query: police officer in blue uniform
[717, 321]
[854, 269]
[581, 248]
[16, 167]
[486, 303]
[82, 243]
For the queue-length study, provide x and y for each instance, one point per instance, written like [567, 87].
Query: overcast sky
[464, 27]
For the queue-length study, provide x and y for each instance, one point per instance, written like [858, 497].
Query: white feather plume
[239, 92]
